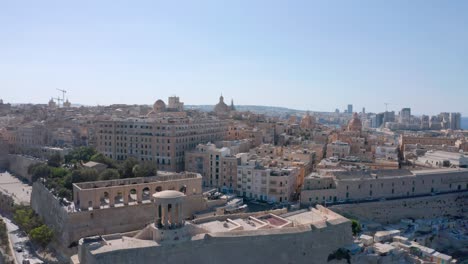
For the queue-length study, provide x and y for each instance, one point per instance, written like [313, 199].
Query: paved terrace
[20, 192]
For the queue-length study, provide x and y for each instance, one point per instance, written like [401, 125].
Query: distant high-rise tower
[455, 121]
[350, 108]
[405, 115]
[363, 110]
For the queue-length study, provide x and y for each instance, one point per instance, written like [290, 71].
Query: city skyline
[309, 56]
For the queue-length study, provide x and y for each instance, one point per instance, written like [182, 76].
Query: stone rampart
[299, 245]
[71, 226]
[453, 204]
[6, 203]
[19, 165]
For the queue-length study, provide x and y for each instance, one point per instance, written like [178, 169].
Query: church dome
[221, 106]
[308, 121]
[355, 124]
[159, 106]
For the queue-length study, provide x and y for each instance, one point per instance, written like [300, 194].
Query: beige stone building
[306, 236]
[124, 192]
[338, 149]
[27, 136]
[256, 180]
[161, 137]
[114, 206]
[238, 131]
[431, 141]
[361, 185]
[217, 163]
[302, 157]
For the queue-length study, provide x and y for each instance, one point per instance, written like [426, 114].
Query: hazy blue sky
[317, 55]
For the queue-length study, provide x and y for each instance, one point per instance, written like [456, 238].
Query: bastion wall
[71, 226]
[303, 244]
[453, 204]
[19, 165]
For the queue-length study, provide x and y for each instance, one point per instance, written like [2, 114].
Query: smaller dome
[159, 106]
[355, 124]
[168, 194]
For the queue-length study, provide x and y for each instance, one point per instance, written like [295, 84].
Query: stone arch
[146, 194]
[158, 189]
[132, 195]
[104, 199]
[119, 198]
[183, 189]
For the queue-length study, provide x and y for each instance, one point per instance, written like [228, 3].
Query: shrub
[356, 227]
[42, 235]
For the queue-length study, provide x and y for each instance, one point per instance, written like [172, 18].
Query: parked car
[18, 248]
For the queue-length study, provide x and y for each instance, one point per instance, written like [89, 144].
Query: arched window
[105, 199]
[146, 194]
[118, 199]
[132, 196]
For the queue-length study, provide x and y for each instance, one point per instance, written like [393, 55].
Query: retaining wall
[453, 204]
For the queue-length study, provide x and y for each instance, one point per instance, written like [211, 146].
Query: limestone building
[114, 206]
[217, 164]
[255, 180]
[361, 185]
[161, 137]
[306, 236]
[308, 121]
[338, 149]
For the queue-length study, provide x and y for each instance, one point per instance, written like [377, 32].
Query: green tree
[26, 218]
[55, 160]
[84, 175]
[64, 193]
[80, 154]
[144, 169]
[355, 226]
[109, 174]
[39, 170]
[58, 172]
[42, 235]
[126, 168]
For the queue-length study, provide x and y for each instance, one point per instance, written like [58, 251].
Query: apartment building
[160, 139]
[273, 184]
[217, 163]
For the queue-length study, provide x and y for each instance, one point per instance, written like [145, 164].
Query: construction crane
[63, 94]
[386, 106]
[58, 101]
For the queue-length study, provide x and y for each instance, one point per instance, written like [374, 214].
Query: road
[19, 239]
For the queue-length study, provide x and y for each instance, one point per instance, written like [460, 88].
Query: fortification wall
[6, 203]
[49, 209]
[304, 246]
[74, 225]
[19, 165]
[454, 204]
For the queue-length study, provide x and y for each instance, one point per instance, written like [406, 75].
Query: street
[19, 239]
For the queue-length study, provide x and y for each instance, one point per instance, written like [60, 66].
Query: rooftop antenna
[63, 94]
